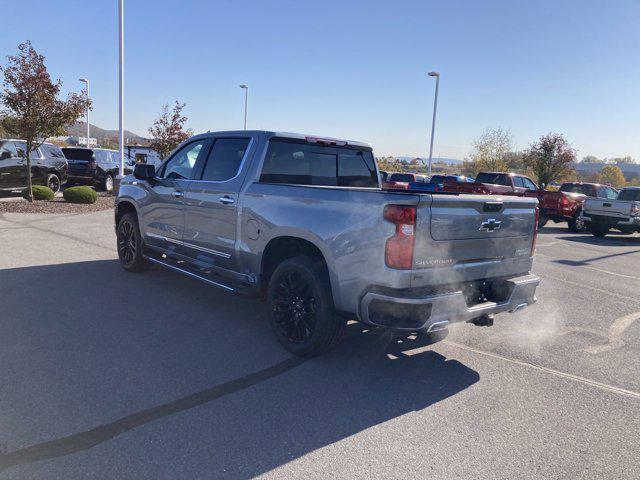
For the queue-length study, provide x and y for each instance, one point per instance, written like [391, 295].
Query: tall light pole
[121, 87]
[86, 82]
[246, 101]
[433, 122]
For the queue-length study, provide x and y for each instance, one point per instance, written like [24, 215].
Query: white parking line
[584, 285]
[551, 371]
[615, 333]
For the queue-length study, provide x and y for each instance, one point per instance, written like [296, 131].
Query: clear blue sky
[356, 69]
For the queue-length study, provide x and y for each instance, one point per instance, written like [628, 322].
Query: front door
[211, 204]
[163, 214]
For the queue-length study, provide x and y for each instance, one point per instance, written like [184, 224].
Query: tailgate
[472, 229]
[608, 208]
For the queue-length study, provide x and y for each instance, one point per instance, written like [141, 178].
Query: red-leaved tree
[32, 110]
[168, 130]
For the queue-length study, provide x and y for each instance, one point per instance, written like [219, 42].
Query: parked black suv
[48, 165]
[94, 166]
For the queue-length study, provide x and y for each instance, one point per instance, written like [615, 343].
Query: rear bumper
[411, 310]
[612, 222]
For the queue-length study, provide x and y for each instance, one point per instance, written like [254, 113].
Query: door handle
[227, 200]
[178, 194]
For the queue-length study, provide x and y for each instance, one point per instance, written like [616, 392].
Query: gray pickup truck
[302, 223]
[622, 214]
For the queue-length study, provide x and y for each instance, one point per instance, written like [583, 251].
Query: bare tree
[551, 158]
[168, 130]
[490, 151]
[32, 109]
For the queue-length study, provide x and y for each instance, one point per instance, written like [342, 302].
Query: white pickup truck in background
[622, 214]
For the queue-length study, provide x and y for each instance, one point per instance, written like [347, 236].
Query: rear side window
[224, 159]
[305, 164]
[51, 150]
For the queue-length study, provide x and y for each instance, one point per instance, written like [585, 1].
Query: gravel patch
[57, 205]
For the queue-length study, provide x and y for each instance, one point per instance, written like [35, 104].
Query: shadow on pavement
[104, 335]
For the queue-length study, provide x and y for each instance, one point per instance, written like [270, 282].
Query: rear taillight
[399, 248]
[564, 201]
[535, 232]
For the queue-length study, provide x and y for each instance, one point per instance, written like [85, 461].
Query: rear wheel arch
[282, 248]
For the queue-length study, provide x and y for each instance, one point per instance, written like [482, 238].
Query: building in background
[143, 154]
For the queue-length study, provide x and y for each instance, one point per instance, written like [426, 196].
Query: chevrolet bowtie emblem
[490, 225]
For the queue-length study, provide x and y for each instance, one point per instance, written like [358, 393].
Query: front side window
[611, 193]
[518, 182]
[225, 158]
[528, 183]
[180, 166]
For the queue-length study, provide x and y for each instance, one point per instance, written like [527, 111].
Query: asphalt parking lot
[108, 375]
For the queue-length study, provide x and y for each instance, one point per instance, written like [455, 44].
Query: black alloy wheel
[294, 307]
[129, 243]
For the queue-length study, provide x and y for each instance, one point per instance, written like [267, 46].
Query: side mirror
[144, 171]
[542, 186]
[5, 155]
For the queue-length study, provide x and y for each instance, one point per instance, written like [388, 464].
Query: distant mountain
[450, 161]
[79, 129]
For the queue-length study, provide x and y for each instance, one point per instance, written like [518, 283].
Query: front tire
[53, 182]
[107, 183]
[130, 246]
[301, 310]
[577, 224]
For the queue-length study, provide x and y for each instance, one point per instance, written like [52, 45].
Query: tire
[542, 220]
[301, 311]
[129, 244]
[599, 231]
[575, 224]
[107, 183]
[53, 182]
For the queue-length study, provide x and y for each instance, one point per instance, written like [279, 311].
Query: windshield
[401, 177]
[629, 194]
[575, 188]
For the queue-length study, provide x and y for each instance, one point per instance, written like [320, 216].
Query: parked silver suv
[302, 223]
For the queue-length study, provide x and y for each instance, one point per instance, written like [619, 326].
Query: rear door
[163, 213]
[11, 168]
[211, 202]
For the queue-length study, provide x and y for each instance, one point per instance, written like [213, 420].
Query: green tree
[591, 159]
[490, 151]
[612, 175]
[32, 109]
[550, 158]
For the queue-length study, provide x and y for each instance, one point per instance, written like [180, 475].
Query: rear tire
[599, 231]
[301, 310]
[53, 182]
[576, 224]
[130, 245]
